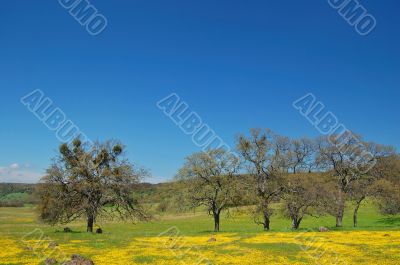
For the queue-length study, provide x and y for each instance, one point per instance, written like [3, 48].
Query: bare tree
[84, 180]
[348, 160]
[303, 196]
[302, 155]
[263, 159]
[211, 179]
[281, 148]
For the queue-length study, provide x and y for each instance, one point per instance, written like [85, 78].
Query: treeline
[8, 188]
[309, 176]
[16, 194]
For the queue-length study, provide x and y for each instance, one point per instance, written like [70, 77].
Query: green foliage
[89, 180]
[16, 195]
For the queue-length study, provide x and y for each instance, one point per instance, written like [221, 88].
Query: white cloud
[14, 166]
[15, 173]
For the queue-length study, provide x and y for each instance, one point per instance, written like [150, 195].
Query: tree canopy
[90, 180]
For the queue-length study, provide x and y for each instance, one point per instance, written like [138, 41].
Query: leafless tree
[263, 160]
[302, 155]
[211, 179]
[348, 160]
[304, 195]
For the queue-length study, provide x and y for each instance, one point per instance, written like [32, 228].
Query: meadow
[188, 239]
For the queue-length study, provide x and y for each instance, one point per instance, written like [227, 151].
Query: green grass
[15, 223]
[17, 196]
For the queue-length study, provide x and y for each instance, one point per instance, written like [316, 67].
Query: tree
[211, 179]
[369, 185]
[89, 180]
[335, 155]
[389, 199]
[348, 159]
[361, 189]
[388, 186]
[303, 196]
[259, 152]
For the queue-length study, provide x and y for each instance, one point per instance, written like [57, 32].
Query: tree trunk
[339, 218]
[216, 221]
[266, 224]
[90, 221]
[358, 204]
[355, 217]
[296, 222]
[266, 220]
[340, 212]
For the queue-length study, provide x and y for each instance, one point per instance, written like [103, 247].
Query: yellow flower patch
[298, 248]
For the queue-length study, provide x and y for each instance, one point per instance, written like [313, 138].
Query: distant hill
[16, 194]
[146, 192]
[163, 197]
[8, 188]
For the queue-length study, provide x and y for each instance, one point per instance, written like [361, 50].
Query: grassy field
[188, 239]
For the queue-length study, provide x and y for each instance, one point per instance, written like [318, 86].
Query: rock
[67, 230]
[78, 260]
[50, 261]
[29, 248]
[99, 231]
[52, 245]
[323, 229]
[212, 239]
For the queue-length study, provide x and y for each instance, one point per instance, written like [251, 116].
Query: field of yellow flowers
[24, 241]
[267, 248]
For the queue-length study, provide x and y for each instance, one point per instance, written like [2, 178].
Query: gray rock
[50, 261]
[323, 229]
[78, 260]
[52, 245]
[212, 239]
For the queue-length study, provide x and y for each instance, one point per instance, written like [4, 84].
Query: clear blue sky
[238, 64]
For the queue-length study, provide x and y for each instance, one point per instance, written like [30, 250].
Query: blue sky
[238, 64]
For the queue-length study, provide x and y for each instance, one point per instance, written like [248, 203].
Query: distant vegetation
[16, 195]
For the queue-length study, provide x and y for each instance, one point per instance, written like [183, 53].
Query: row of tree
[311, 176]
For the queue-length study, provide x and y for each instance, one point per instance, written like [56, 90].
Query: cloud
[14, 166]
[15, 173]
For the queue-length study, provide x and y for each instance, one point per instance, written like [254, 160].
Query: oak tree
[211, 177]
[90, 180]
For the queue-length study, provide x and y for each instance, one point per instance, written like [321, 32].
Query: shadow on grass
[390, 221]
[71, 232]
